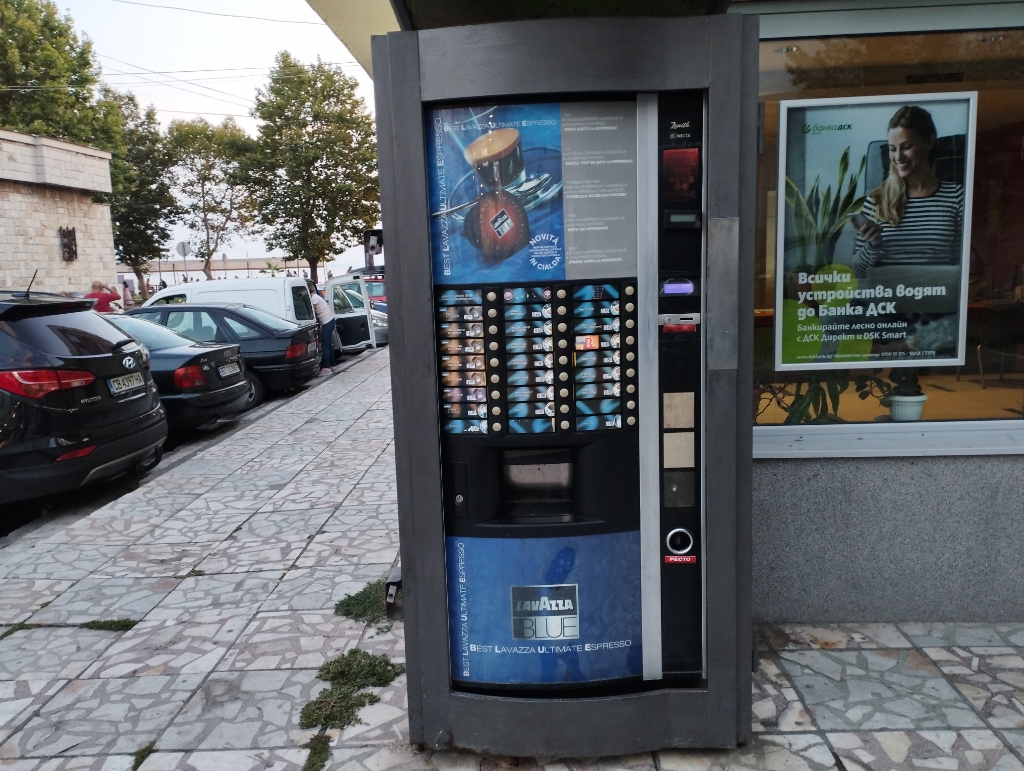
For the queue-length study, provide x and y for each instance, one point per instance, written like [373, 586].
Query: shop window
[990, 383]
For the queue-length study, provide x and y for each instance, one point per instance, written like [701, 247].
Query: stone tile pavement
[232, 562]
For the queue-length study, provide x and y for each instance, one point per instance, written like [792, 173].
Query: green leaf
[833, 393]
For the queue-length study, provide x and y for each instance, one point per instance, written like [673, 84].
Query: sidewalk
[232, 562]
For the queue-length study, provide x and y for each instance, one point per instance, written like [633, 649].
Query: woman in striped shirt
[911, 218]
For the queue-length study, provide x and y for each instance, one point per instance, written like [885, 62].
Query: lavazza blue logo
[546, 612]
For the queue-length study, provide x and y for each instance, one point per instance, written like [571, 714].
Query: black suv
[77, 401]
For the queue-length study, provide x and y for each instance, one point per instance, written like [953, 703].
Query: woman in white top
[325, 316]
[911, 218]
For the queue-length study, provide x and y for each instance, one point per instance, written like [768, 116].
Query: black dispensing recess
[569, 214]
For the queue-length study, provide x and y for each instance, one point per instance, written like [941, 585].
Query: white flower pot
[903, 408]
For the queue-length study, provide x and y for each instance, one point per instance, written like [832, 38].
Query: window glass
[990, 384]
[82, 333]
[376, 289]
[174, 299]
[354, 294]
[303, 305]
[195, 325]
[242, 330]
[153, 336]
[267, 319]
[342, 304]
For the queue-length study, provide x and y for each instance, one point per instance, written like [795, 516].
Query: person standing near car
[126, 296]
[103, 295]
[325, 316]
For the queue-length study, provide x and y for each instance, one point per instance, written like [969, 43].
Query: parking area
[231, 560]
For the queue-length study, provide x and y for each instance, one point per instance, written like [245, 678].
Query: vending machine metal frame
[717, 55]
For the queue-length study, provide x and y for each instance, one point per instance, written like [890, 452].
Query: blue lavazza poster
[545, 610]
[532, 192]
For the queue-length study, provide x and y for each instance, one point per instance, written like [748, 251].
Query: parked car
[77, 400]
[198, 382]
[377, 290]
[286, 297]
[359, 325]
[279, 354]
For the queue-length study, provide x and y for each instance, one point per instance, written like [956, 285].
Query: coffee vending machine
[569, 213]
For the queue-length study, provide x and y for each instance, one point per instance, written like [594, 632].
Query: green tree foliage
[212, 198]
[141, 205]
[48, 74]
[313, 177]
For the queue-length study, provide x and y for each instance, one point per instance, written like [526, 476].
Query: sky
[190, 64]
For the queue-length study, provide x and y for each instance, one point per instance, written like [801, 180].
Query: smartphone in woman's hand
[858, 221]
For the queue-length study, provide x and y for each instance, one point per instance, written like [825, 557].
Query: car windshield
[376, 289]
[78, 333]
[268, 319]
[153, 336]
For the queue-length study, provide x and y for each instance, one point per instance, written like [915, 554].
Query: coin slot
[679, 541]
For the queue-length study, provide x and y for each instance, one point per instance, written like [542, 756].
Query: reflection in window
[990, 384]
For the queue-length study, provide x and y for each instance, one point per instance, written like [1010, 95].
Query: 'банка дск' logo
[819, 128]
[545, 612]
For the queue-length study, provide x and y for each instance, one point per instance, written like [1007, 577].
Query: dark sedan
[77, 401]
[198, 382]
[279, 354]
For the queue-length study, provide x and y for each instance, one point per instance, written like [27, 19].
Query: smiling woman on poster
[912, 218]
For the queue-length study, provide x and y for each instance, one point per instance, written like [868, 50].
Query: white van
[284, 297]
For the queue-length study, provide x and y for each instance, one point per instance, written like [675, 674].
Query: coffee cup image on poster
[532, 192]
[873, 231]
[544, 610]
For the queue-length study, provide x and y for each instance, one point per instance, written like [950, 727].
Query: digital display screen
[677, 286]
[680, 218]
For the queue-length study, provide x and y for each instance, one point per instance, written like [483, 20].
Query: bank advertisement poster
[532, 192]
[874, 220]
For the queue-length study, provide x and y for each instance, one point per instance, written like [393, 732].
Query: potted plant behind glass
[903, 395]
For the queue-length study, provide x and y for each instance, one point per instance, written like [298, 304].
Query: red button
[675, 328]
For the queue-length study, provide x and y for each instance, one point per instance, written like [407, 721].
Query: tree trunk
[313, 262]
[208, 269]
[142, 283]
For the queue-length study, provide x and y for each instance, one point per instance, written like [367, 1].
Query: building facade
[858, 516]
[48, 219]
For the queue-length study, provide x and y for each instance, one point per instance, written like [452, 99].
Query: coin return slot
[679, 541]
[537, 486]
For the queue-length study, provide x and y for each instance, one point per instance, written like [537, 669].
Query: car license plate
[122, 383]
[228, 369]
[310, 347]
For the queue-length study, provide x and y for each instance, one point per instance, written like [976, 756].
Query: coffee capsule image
[527, 294]
[468, 345]
[528, 394]
[449, 329]
[460, 313]
[497, 225]
[527, 312]
[463, 410]
[598, 407]
[462, 362]
[460, 297]
[451, 395]
[598, 358]
[528, 344]
[592, 309]
[455, 379]
[465, 427]
[596, 325]
[531, 410]
[534, 426]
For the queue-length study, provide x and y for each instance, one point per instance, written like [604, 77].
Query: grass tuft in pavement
[141, 755]
[15, 628]
[338, 706]
[115, 625]
[367, 605]
[319, 753]
[195, 572]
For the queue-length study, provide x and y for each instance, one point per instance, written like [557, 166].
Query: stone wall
[46, 184]
[29, 218]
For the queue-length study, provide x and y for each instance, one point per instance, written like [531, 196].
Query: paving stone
[361, 548]
[156, 492]
[102, 717]
[776, 706]
[197, 526]
[834, 636]
[105, 599]
[107, 530]
[168, 648]
[245, 710]
[387, 638]
[20, 597]
[230, 760]
[397, 756]
[303, 494]
[976, 750]
[247, 499]
[208, 466]
[767, 752]
[942, 635]
[19, 700]
[155, 560]
[56, 560]
[236, 449]
[321, 588]
[1015, 739]
[278, 463]
[247, 555]
[293, 453]
[292, 525]
[353, 519]
[292, 640]
[366, 493]
[50, 653]
[215, 597]
[875, 690]
[260, 480]
[385, 722]
[86, 763]
[991, 678]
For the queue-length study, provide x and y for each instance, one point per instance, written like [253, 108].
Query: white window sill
[879, 440]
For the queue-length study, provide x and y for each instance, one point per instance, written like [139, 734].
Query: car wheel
[257, 392]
